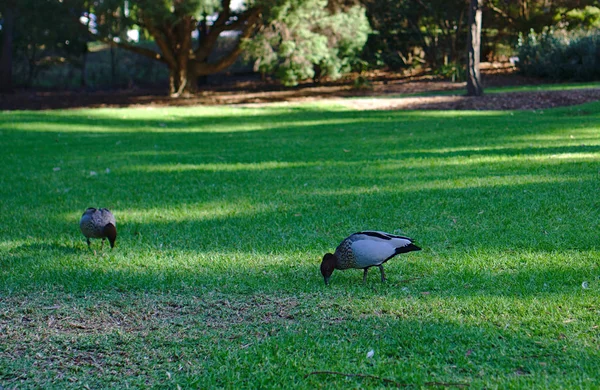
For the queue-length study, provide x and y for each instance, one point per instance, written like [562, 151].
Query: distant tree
[108, 19]
[306, 40]
[409, 33]
[171, 24]
[434, 33]
[474, 87]
[513, 18]
[587, 18]
[42, 35]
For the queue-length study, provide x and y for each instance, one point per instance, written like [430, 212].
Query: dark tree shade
[7, 50]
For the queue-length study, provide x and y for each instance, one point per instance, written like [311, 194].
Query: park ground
[225, 211]
[386, 90]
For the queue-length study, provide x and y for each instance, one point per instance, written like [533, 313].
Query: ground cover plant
[224, 214]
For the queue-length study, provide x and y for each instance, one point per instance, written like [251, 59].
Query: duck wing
[368, 253]
[107, 217]
[374, 248]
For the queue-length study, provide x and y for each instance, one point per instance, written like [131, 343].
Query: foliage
[410, 33]
[303, 40]
[45, 37]
[452, 71]
[586, 18]
[312, 37]
[511, 19]
[326, 44]
[128, 70]
[413, 33]
[560, 55]
[299, 39]
[224, 213]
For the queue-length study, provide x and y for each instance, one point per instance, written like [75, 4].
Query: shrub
[451, 71]
[560, 55]
[304, 40]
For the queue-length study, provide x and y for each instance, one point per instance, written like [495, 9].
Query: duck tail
[408, 248]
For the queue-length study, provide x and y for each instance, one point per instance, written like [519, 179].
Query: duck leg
[89, 243]
[365, 275]
[382, 273]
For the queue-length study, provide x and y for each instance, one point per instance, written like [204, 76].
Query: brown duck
[366, 249]
[99, 223]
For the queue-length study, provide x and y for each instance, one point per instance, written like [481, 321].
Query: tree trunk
[7, 50]
[174, 41]
[474, 87]
[182, 81]
[193, 80]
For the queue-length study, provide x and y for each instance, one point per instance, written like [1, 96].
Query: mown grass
[224, 215]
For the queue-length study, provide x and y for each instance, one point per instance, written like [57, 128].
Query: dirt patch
[382, 94]
[496, 101]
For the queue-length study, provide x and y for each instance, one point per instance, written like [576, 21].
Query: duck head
[110, 231]
[327, 266]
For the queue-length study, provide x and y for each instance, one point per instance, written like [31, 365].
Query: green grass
[224, 215]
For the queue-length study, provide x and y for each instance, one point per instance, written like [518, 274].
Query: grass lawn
[225, 213]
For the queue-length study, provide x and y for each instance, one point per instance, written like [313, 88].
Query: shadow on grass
[306, 135]
[290, 263]
[248, 120]
[244, 215]
[239, 249]
[299, 185]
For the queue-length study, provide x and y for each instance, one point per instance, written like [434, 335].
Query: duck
[99, 223]
[366, 249]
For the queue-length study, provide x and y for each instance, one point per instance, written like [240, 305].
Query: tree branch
[204, 68]
[246, 20]
[501, 13]
[162, 44]
[209, 40]
[136, 49]
[225, 14]
[124, 45]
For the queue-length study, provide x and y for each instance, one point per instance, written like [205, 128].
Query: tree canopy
[434, 32]
[306, 35]
[305, 40]
[292, 40]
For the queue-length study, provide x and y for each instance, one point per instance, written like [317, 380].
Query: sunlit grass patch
[224, 214]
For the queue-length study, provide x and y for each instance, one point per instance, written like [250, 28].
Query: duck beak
[326, 280]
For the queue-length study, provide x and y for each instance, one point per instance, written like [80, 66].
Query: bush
[560, 55]
[129, 70]
[451, 71]
[304, 40]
